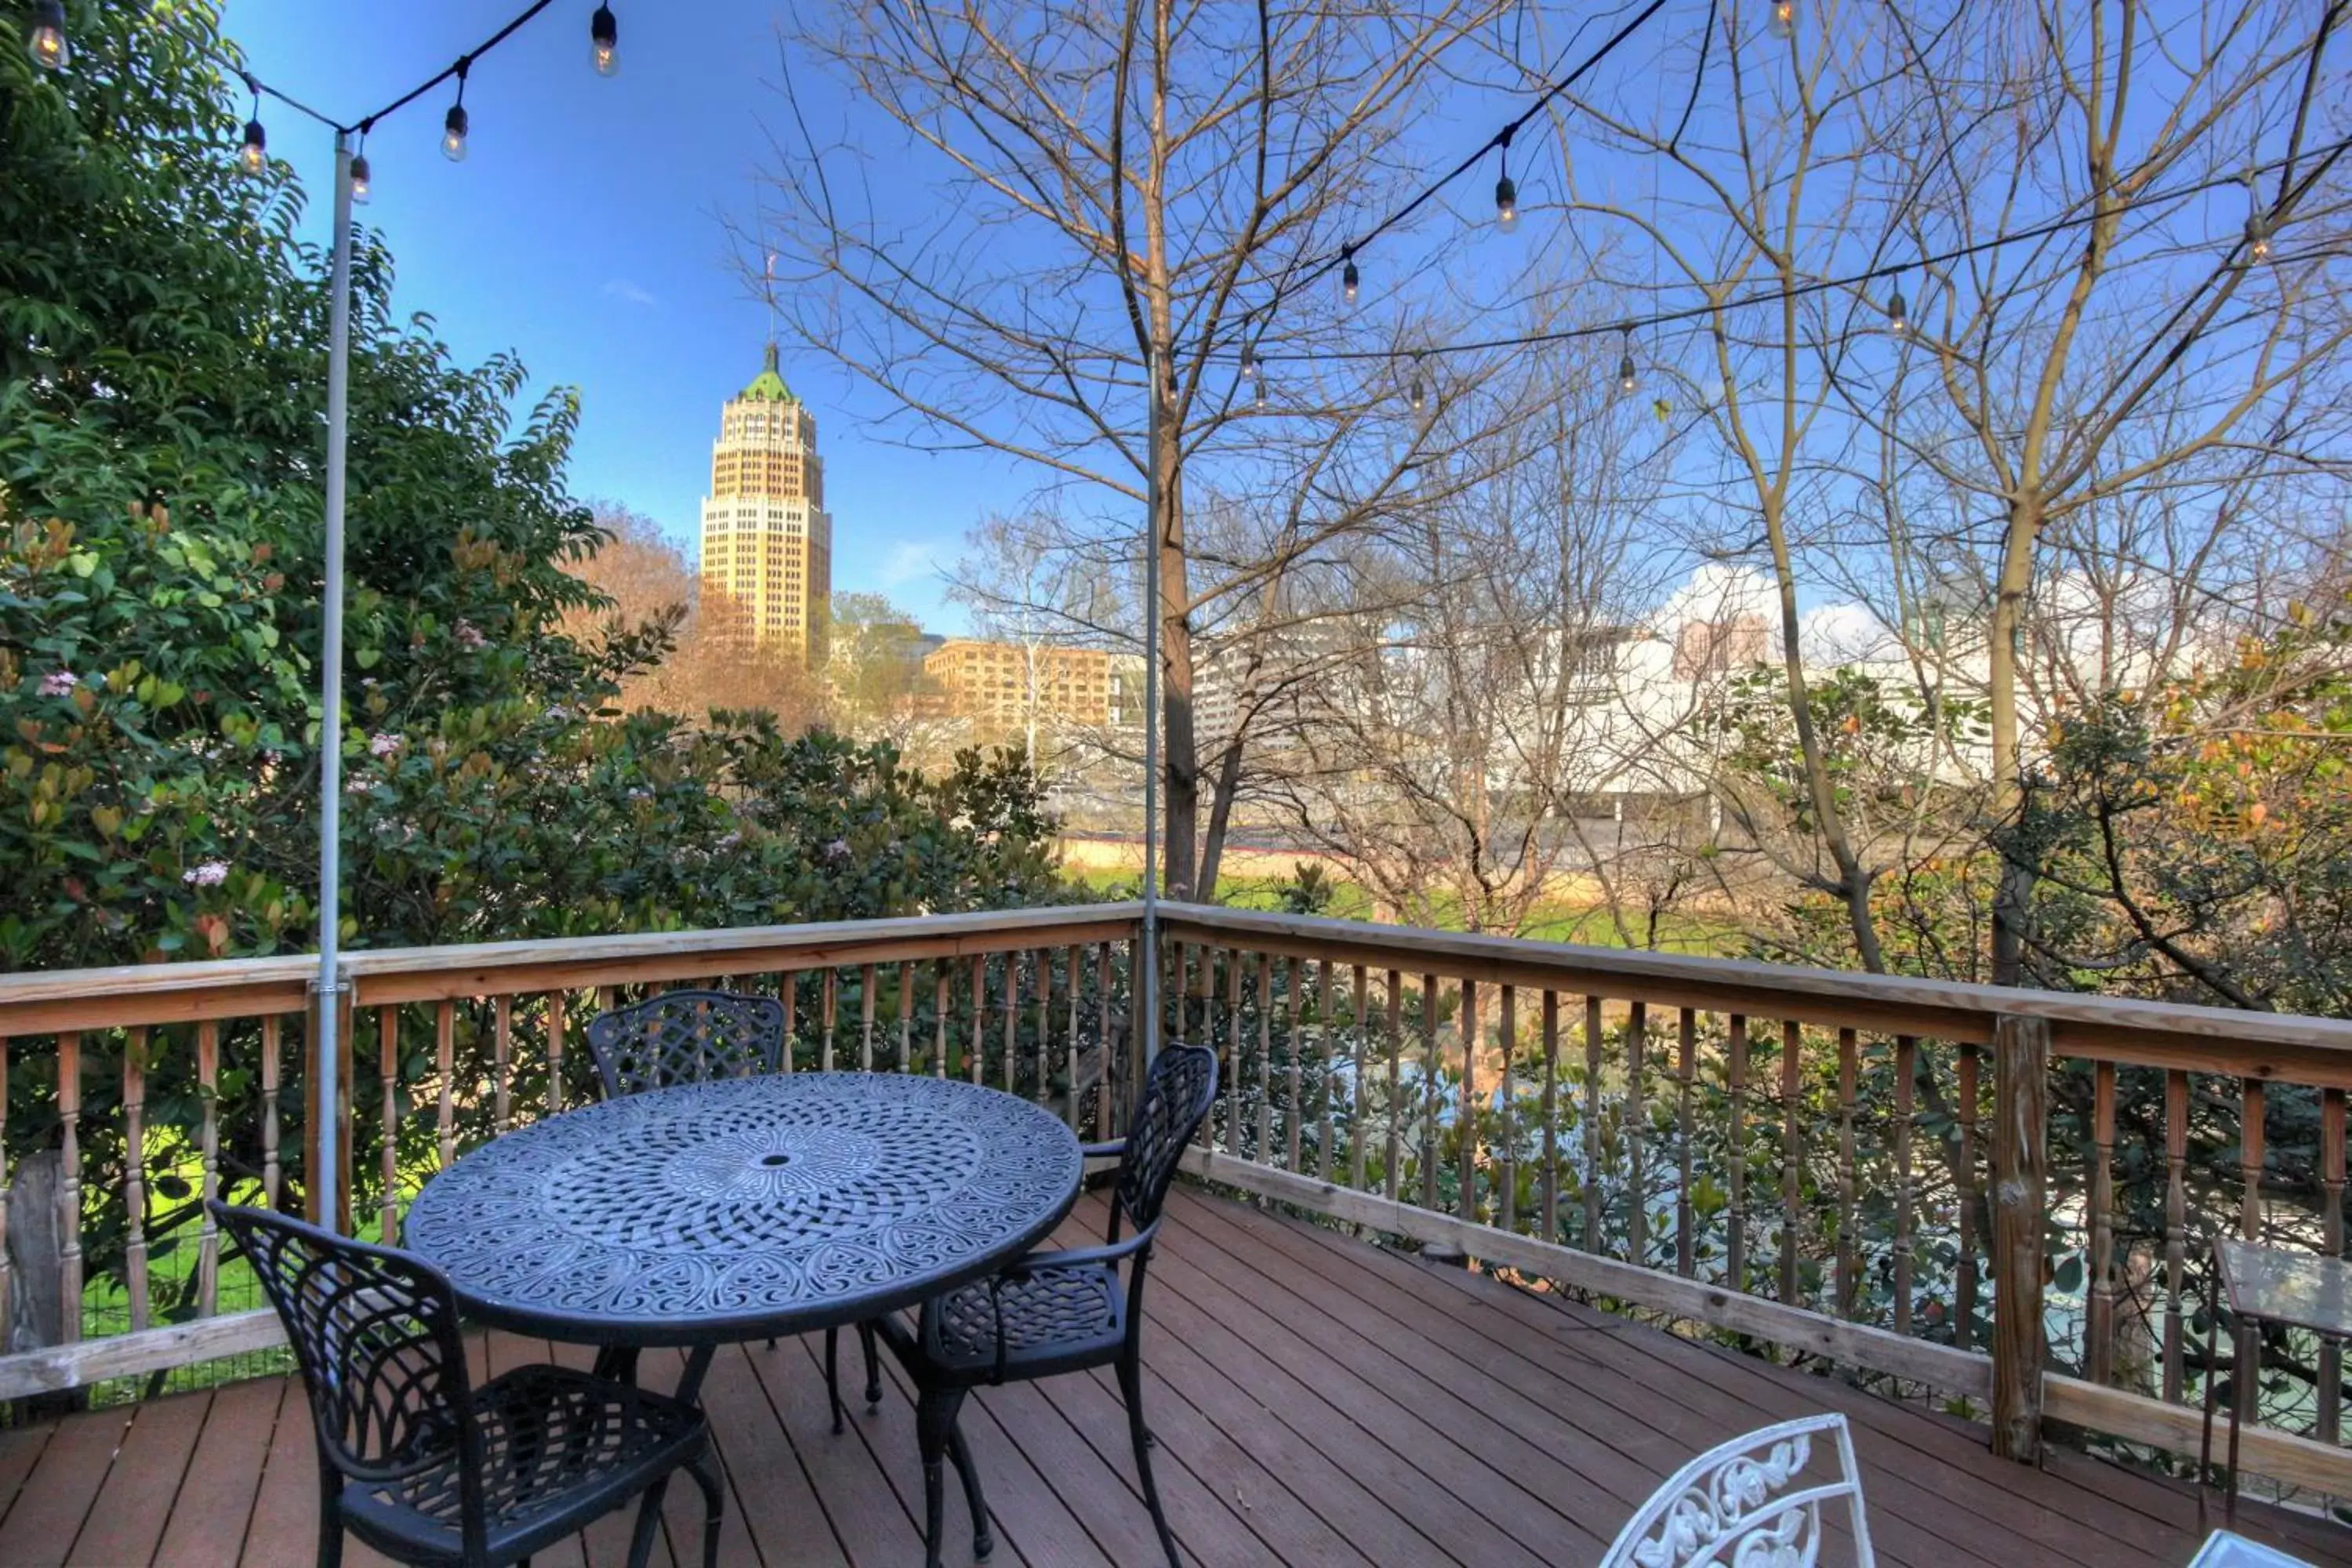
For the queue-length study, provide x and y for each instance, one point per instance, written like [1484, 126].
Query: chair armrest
[1111, 1150]
[1081, 1257]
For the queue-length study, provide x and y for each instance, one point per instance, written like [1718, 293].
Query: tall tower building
[767, 540]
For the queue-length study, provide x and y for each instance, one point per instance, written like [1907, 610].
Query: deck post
[2020, 1344]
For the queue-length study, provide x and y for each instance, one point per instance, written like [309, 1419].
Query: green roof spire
[767, 386]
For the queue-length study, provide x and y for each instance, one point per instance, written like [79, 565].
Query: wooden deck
[1316, 1400]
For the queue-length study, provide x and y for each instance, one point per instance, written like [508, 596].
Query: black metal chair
[695, 1037]
[1054, 1312]
[415, 1460]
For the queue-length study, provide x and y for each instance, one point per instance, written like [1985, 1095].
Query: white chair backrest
[1746, 1504]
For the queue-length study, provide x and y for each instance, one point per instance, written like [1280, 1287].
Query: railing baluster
[2250, 1133]
[865, 1019]
[1507, 1168]
[979, 1052]
[1849, 1283]
[1430, 1149]
[1070, 959]
[272, 1175]
[906, 1016]
[1292, 972]
[1793, 1154]
[555, 1023]
[828, 1014]
[208, 1149]
[1906, 1066]
[1473, 1115]
[1686, 1081]
[1326, 1027]
[1107, 1094]
[1595, 1239]
[1012, 1020]
[1233, 1053]
[69, 1186]
[1964, 1289]
[444, 1048]
[1356, 1122]
[387, 1028]
[1735, 1250]
[2175, 1226]
[942, 975]
[1042, 972]
[2099, 1354]
[2331, 1240]
[134, 1174]
[8, 1281]
[1396, 1074]
[788, 991]
[1265, 1149]
[1551, 1115]
[1637, 1191]
[501, 1047]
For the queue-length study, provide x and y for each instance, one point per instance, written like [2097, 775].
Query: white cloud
[629, 293]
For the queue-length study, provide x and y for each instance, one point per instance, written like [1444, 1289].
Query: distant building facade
[1010, 684]
[767, 540]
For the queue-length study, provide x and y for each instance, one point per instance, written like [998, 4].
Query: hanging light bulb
[254, 156]
[45, 38]
[361, 190]
[1349, 278]
[1506, 194]
[1257, 389]
[2258, 236]
[1249, 362]
[454, 124]
[1626, 379]
[605, 35]
[1783, 20]
[1417, 395]
[1898, 313]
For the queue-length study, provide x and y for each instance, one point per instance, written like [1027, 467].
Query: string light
[45, 38]
[1626, 379]
[1349, 277]
[1257, 391]
[1898, 313]
[2258, 236]
[1784, 20]
[1417, 395]
[1249, 362]
[605, 35]
[1506, 194]
[360, 187]
[454, 124]
[254, 156]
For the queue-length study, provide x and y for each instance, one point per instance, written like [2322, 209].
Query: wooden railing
[204, 1070]
[1873, 1171]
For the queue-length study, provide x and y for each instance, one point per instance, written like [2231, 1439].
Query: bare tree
[1075, 190]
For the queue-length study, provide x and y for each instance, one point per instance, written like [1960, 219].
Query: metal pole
[331, 695]
[1148, 988]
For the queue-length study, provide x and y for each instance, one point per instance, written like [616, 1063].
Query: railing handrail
[48, 1000]
[2291, 1047]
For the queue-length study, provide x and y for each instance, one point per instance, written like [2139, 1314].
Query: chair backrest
[685, 1036]
[376, 1334]
[1177, 1092]
[1748, 1500]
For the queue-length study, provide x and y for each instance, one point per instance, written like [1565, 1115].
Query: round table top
[745, 1207]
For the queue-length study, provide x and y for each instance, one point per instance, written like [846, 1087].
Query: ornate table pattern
[729, 1210]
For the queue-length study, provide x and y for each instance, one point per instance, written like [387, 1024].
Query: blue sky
[584, 232]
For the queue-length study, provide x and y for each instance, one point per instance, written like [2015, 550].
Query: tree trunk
[1180, 745]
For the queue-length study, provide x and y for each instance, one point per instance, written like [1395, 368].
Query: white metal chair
[1745, 1504]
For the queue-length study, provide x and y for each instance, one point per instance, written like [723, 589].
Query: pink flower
[206, 874]
[60, 683]
[468, 635]
[837, 848]
[382, 745]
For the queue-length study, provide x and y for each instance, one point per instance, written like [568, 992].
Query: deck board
[1316, 1400]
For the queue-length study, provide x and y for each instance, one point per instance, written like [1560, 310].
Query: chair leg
[1130, 1387]
[982, 1541]
[935, 1419]
[641, 1538]
[713, 1507]
[872, 1368]
[330, 1520]
[832, 1375]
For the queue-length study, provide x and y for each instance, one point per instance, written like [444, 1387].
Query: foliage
[162, 335]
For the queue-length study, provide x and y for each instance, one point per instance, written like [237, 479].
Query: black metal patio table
[713, 1213]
